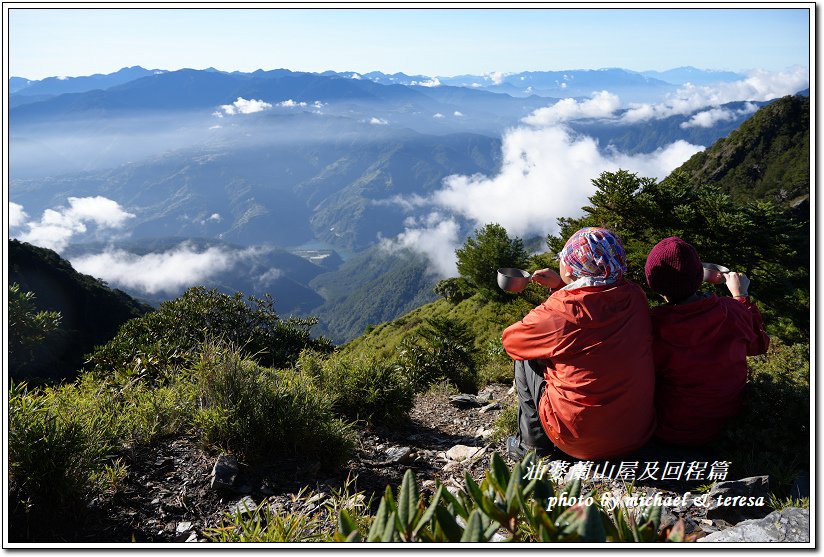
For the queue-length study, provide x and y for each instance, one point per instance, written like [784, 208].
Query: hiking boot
[517, 450]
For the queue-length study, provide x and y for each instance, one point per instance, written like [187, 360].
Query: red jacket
[598, 400]
[701, 351]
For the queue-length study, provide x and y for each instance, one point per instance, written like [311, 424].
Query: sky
[65, 40]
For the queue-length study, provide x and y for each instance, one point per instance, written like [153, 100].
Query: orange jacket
[600, 380]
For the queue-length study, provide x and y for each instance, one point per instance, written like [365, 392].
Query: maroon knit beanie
[673, 269]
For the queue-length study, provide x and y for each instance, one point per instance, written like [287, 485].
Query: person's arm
[535, 336]
[739, 285]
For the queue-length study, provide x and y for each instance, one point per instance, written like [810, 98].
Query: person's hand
[548, 278]
[738, 283]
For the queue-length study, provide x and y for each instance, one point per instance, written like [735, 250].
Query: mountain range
[272, 172]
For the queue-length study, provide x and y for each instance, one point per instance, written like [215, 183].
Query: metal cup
[714, 274]
[511, 279]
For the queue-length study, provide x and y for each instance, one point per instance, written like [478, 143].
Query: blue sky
[45, 42]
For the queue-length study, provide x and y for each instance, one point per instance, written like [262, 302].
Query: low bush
[363, 389]
[56, 461]
[161, 344]
[443, 348]
[260, 412]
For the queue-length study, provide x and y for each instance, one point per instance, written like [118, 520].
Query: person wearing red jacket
[701, 343]
[583, 358]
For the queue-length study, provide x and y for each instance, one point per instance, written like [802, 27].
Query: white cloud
[436, 238]
[437, 115]
[270, 276]
[57, 226]
[708, 118]
[289, 103]
[244, 106]
[17, 216]
[457, 114]
[759, 85]
[355, 76]
[215, 127]
[214, 217]
[496, 77]
[602, 104]
[546, 173]
[169, 272]
[378, 121]
[434, 82]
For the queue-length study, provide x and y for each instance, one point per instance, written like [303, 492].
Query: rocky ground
[176, 489]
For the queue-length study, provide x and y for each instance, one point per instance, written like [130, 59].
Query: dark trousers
[530, 385]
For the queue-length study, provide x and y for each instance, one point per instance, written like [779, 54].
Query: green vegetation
[772, 433]
[262, 413]
[28, 327]
[767, 157]
[508, 503]
[482, 255]
[361, 388]
[168, 340]
[442, 349]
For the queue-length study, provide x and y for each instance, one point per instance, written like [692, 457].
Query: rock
[465, 401]
[484, 396]
[484, 433]
[244, 506]
[399, 455]
[224, 472]
[790, 525]
[183, 527]
[192, 537]
[489, 407]
[734, 511]
[460, 453]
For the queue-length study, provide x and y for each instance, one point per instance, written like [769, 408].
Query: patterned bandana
[595, 256]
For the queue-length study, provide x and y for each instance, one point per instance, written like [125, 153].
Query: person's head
[595, 253]
[673, 269]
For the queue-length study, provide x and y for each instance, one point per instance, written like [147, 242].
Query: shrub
[27, 327]
[162, 343]
[443, 348]
[56, 462]
[261, 412]
[361, 388]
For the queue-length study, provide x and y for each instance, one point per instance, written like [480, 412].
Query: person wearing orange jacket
[583, 359]
[700, 344]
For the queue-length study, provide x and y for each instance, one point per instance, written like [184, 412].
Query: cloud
[378, 121]
[434, 82]
[496, 77]
[546, 173]
[243, 106]
[57, 226]
[214, 217]
[457, 114]
[436, 237]
[355, 76]
[17, 216]
[169, 272]
[437, 115]
[708, 118]
[759, 85]
[289, 103]
[602, 104]
[270, 276]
